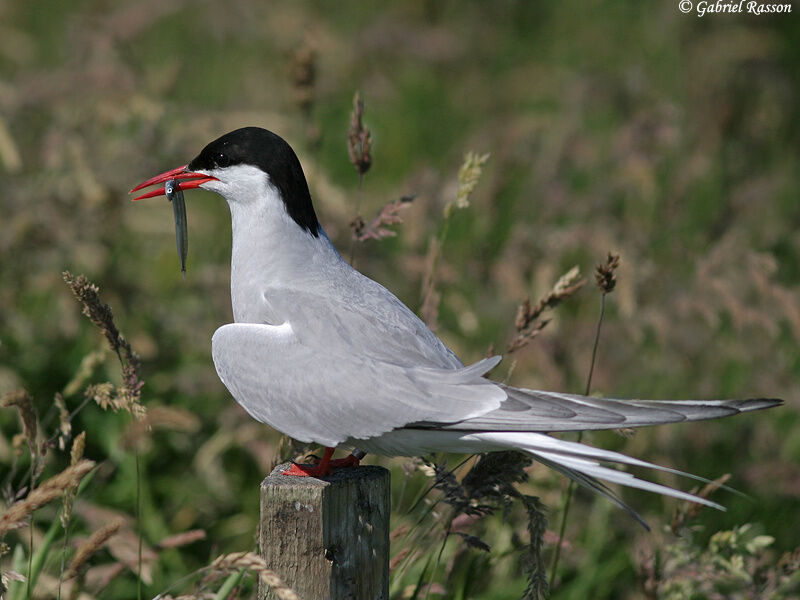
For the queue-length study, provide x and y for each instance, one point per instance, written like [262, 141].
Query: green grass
[626, 127]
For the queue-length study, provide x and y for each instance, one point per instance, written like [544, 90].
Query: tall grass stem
[229, 585]
[139, 521]
[571, 486]
[41, 554]
[358, 212]
[18, 560]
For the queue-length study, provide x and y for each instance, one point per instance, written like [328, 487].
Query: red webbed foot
[323, 467]
[298, 470]
[341, 463]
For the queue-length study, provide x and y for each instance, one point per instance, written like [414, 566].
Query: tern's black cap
[272, 154]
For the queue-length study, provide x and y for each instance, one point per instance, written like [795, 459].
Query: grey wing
[535, 410]
[361, 317]
[311, 394]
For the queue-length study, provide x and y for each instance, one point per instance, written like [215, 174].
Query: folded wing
[311, 394]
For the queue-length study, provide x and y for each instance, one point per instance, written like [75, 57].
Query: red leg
[321, 469]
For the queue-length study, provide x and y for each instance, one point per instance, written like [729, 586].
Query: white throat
[270, 250]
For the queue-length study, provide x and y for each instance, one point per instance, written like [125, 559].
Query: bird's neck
[270, 250]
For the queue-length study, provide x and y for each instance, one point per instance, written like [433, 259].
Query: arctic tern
[324, 354]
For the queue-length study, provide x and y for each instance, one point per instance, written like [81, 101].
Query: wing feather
[362, 317]
[314, 395]
[535, 410]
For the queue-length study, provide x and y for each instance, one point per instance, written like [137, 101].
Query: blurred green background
[612, 126]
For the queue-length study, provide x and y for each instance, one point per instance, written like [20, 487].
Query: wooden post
[328, 538]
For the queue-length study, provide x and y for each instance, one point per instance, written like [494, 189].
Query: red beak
[179, 173]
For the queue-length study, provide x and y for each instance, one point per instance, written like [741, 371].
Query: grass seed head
[95, 541]
[537, 587]
[359, 138]
[103, 395]
[303, 75]
[377, 229]
[88, 294]
[529, 322]
[469, 174]
[78, 446]
[76, 454]
[605, 275]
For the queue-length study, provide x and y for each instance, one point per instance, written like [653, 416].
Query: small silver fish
[175, 195]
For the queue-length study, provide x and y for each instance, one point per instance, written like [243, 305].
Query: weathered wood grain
[328, 538]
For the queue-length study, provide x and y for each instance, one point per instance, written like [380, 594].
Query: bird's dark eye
[223, 160]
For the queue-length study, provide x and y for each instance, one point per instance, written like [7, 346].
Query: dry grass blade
[253, 562]
[46, 492]
[14, 576]
[182, 539]
[687, 511]
[429, 311]
[398, 558]
[529, 323]
[95, 541]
